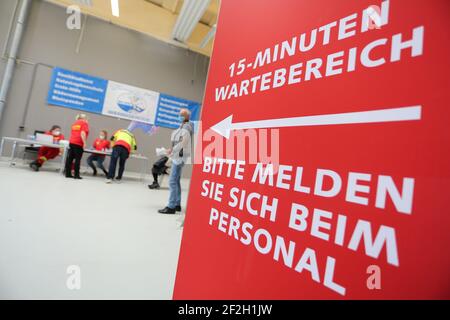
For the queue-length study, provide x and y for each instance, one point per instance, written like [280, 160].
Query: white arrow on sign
[227, 125]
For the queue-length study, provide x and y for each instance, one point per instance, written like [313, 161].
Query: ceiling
[155, 18]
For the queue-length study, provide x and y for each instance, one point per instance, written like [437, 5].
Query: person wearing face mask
[48, 153]
[179, 153]
[100, 144]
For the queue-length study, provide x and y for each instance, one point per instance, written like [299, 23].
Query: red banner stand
[355, 97]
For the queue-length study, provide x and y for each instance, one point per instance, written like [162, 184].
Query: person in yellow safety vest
[124, 142]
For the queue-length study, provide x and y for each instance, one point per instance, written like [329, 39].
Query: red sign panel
[325, 169]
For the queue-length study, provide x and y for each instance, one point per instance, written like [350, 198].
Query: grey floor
[123, 248]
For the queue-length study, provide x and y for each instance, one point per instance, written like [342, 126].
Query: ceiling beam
[171, 5]
[148, 18]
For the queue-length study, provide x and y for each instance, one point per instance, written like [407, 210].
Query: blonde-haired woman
[78, 141]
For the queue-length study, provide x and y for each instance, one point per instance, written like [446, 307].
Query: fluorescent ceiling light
[115, 8]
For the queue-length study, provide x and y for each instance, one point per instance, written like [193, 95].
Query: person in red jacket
[100, 144]
[48, 153]
[78, 142]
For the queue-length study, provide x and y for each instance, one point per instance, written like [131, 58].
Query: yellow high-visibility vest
[126, 136]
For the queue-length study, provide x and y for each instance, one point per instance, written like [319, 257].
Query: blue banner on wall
[77, 91]
[169, 108]
[96, 95]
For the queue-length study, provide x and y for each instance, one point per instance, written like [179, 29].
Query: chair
[160, 167]
[164, 173]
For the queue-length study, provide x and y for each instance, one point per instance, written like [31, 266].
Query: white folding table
[145, 161]
[29, 142]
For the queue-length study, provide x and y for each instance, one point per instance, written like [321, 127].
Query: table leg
[1, 147]
[13, 153]
[63, 160]
[145, 168]
[143, 171]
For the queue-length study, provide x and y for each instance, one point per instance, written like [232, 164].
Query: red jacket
[101, 144]
[78, 127]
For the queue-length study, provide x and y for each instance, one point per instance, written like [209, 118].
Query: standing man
[124, 143]
[78, 141]
[180, 152]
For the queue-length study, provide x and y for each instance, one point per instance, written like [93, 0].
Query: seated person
[48, 153]
[159, 168]
[100, 144]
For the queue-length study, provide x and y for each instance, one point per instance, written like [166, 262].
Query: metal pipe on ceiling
[191, 13]
[36, 66]
[13, 51]
[10, 28]
[208, 37]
